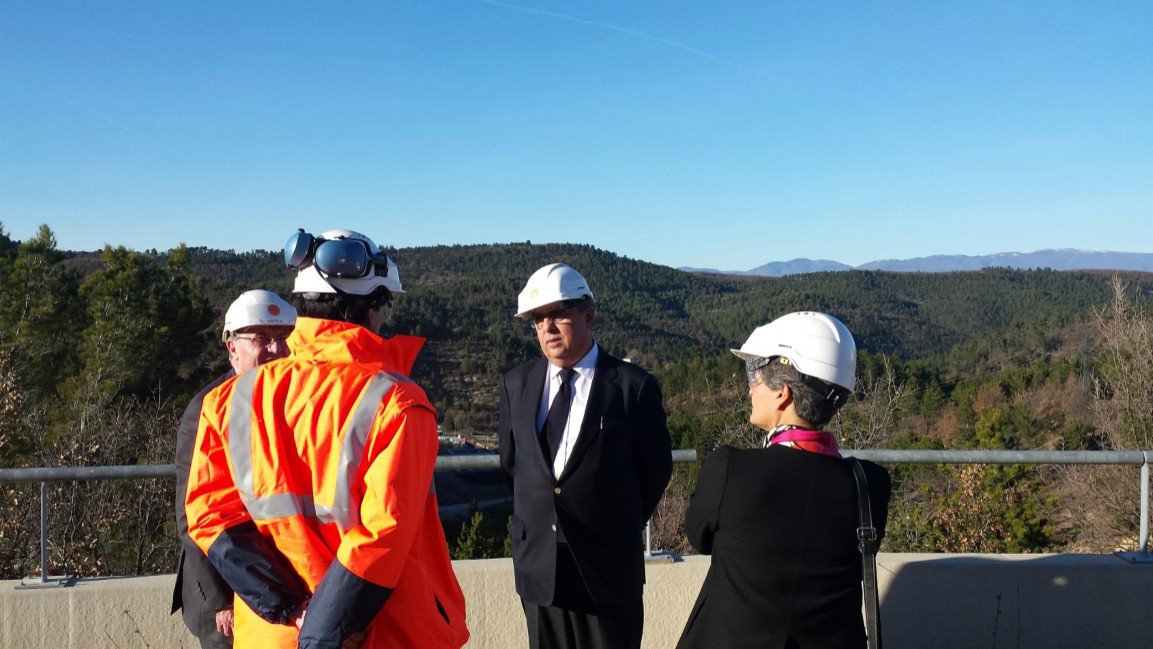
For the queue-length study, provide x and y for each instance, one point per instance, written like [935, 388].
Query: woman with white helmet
[781, 521]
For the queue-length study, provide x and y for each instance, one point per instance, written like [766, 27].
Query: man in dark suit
[584, 441]
[255, 328]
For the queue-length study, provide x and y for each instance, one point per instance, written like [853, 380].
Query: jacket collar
[333, 341]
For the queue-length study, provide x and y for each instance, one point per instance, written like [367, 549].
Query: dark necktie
[554, 423]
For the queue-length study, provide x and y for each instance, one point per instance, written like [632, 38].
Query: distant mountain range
[1064, 259]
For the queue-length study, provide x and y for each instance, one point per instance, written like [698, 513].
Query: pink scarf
[815, 441]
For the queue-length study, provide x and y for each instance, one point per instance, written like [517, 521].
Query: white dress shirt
[582, 382]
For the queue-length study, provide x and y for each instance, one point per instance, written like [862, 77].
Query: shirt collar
[584, 367]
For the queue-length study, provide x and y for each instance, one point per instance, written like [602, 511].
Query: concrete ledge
[1013, 601]
[928, 600]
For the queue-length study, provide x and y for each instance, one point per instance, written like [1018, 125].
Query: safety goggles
[341, 257]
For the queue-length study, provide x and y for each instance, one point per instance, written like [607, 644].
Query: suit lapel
[600, 397]
[531, 393]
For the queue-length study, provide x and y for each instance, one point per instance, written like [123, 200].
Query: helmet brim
[745, 356]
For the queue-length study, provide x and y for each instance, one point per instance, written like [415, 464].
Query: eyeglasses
[562, 315]
[341, 257]
[263, 340]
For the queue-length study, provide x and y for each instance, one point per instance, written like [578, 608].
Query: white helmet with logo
[311, 280]
[258, 308]
[552, 283]
[817, 344]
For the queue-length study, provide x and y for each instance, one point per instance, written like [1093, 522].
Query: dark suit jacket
[781, 526]
[200, 591]
[619, 468]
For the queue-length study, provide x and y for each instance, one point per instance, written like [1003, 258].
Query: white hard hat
[256, 308]
[310, 279]
[817, 344]
[552, 283]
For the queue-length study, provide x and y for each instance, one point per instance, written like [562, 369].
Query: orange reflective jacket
[312, 478]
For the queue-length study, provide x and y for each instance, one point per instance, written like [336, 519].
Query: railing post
[43, 532]
[44, 581]
[1143, 548]
[1142, 554]
[29, 581]
[650, 556]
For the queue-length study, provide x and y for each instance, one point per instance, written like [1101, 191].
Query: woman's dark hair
[344, 307]
[811, 402]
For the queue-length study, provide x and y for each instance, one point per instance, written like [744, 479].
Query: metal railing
[1138, 458]
[1142, 459]
[44, 475]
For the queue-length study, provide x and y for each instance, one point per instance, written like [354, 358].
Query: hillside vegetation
[100, 351]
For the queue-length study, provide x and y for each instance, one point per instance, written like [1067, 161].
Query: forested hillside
[462, 299]
[100, 351]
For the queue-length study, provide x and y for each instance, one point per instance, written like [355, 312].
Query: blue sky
[715, 134]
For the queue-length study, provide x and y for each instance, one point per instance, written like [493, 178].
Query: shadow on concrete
[1015, 601]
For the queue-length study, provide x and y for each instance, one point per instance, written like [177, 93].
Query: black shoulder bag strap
[868, 544]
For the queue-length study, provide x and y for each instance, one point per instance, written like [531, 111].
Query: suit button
[554, 528]
[556, 491]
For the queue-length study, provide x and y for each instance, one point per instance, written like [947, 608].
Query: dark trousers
[575, 621]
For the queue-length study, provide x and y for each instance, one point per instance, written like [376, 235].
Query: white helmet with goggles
[339, 261]
[550, 284]
[258, 308]
[817, 344]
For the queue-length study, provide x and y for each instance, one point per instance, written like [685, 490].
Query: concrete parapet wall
[935, 601]
[1015, 601]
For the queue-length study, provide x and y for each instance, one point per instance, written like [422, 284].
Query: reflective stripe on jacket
[312, 477]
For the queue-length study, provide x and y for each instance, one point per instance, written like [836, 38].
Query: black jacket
[780, 524]
[614, 478]
[200, 591]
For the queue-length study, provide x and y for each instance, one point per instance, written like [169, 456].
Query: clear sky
[714, 134]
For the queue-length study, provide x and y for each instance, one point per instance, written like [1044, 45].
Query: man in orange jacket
[311, 489]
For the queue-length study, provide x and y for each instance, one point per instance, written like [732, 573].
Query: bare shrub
[1123, 381]
[1102, 507]
[668, 522]
[1102, 500]
[19, 530]
[870, 420]
[109, 527]
[11, 402]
